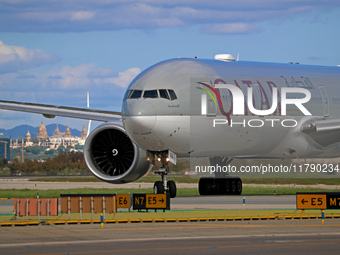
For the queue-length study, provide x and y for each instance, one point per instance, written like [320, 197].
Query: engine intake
[112, 156]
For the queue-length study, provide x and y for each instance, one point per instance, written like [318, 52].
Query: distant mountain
[21, 131]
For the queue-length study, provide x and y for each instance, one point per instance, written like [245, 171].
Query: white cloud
[66, 85]
[82, 15]
[123, 79]
[100, 15]
[102, 73]
[14, 58]
[87, 75]
[231, 28]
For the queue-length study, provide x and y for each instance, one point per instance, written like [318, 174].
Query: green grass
[25, 193]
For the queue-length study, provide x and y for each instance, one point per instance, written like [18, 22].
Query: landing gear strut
[220, 184]
[164, 186]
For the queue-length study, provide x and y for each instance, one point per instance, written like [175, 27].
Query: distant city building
[57, 139]
[83, 133]
[56, 132]
[42, 132]
[28, 135]
[67, 132]
[28, 139]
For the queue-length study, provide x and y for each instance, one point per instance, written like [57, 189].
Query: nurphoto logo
[239, 104]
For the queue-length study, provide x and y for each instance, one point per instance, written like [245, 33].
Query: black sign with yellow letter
[151, 201]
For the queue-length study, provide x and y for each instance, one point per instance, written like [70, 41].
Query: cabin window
[150, 94]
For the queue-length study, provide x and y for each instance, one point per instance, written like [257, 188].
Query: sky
[54, 51]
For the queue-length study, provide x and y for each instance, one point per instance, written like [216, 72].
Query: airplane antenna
[238, 56]
[88, 106]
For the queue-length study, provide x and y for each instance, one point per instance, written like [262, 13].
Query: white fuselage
[157, 122]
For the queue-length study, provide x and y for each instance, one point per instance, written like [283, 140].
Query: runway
[248, 237]
[25, 183]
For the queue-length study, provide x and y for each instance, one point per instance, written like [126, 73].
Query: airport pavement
[25, 183]
[243, 237]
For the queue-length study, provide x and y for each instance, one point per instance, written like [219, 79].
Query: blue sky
[54, 51]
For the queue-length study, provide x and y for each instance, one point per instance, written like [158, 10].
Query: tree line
[71, 163]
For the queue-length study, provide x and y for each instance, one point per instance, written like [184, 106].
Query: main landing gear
[164, 186]
[221, 184]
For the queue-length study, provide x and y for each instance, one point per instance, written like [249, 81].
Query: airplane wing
[325, 132]
[50, 111]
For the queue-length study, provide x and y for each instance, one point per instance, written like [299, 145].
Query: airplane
[217, 108]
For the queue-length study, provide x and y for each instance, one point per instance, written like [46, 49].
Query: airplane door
[325, 101]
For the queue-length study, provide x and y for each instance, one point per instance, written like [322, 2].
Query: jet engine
[112, 156]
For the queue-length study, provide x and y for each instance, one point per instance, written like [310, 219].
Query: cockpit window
[150, 94]
[172, 94]
[163, 93]
[128, 94]
[136, 94]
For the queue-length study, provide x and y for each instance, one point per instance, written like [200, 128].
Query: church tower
[56, 131]
[67, 132]
[42, 132]
[28, 136]
[83, 133]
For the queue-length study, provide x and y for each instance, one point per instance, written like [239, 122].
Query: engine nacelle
[112, 156]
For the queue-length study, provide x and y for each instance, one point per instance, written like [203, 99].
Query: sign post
[325, 200]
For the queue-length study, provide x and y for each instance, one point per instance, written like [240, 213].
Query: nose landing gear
[160, 187]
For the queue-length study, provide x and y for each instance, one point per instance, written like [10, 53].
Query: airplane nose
[139, 116]
[138, 107]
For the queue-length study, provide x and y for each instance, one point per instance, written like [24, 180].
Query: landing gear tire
[172, 189]
[227, 187]
[233, 187]
[158, 188]
[238, 187]
[220, 186]
[203, 187]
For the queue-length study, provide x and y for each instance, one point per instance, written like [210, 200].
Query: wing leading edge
[50, 111]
